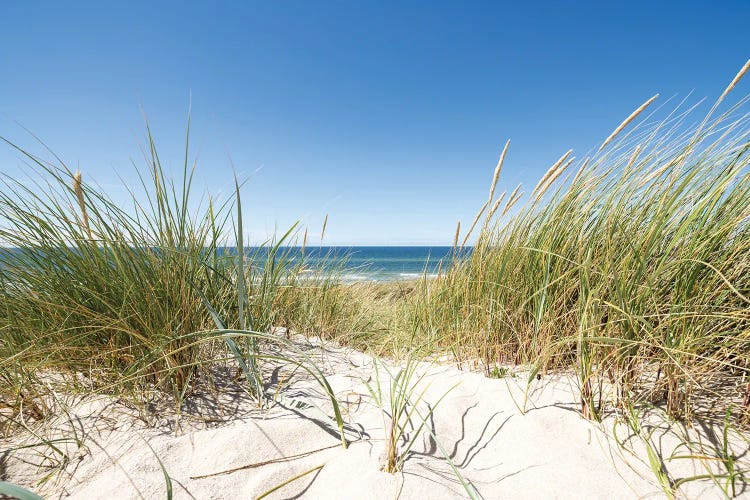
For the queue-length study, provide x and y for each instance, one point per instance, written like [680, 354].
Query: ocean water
[359, 263]
[378, 263]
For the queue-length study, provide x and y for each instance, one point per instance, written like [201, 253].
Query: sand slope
[242, 451]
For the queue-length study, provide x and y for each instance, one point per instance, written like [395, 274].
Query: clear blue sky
[389, 116]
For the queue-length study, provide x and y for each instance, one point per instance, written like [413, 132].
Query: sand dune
[228, 448]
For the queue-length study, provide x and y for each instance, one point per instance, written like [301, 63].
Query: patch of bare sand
[225, 447]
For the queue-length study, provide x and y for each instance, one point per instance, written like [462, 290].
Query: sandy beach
[224, 446]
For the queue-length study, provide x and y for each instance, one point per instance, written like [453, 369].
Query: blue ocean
[357, 263]
[378, 263]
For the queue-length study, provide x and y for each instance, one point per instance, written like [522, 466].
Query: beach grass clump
[92, 287]
[398, 396]
[111, 296]
[635, 270]
[140, 300]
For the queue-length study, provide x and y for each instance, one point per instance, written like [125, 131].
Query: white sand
[548, 452]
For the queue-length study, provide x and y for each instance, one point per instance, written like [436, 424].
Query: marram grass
[632, 269]
[638, 266]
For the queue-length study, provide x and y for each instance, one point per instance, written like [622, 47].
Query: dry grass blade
[266, 462]
[514, 197]
[474, 224]
[580, 171]
[633, 157]
[289, 481]
[323, 231]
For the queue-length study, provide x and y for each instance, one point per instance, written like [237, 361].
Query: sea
[356, 263]
[378, 263]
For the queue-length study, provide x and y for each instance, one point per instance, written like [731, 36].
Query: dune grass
[630, 267]
[132, 301]
[633, 268]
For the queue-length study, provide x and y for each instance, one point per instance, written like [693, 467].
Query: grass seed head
[551, 171]
[498, 168]
[78, 189]
[735, 80]
[627, 121]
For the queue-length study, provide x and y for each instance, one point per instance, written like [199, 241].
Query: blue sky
[389, 116]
